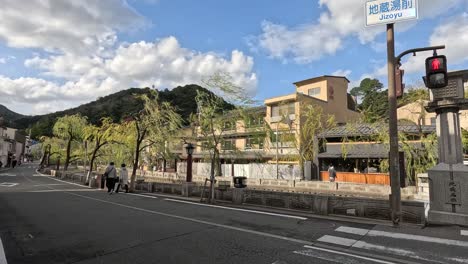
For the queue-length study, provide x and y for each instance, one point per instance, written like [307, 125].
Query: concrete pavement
[44, 220]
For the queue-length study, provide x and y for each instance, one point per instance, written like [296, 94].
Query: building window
[314, 91]
[254, 143]
[433, 121]
[283, 109]
[205, 145]
[228, 144]
[255, 121]
[228, 125]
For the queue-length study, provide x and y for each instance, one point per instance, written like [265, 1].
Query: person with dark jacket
[111, 175]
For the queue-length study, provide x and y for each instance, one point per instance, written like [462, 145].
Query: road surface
[45, 220]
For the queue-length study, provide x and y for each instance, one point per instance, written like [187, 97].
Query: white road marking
[8, 175]
[350, 255]
[64, 190]
[377, 233]
[337, 240]
[300, 241]
[50, 184]
[8, 184]
[464, 232]
[2, 254]
[141, 195]
[81, 185]
[237, 209]
[352, 230]
[389, 250]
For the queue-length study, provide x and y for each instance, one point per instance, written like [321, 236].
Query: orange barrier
[368, 178]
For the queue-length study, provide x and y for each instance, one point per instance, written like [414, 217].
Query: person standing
[111, 175]
[331, 173]
[123, 179]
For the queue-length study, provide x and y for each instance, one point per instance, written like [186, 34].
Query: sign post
[389, 12]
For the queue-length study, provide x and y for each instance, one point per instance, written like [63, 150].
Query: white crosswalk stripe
[388, 243]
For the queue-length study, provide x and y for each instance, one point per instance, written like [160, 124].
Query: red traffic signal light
[436, 72]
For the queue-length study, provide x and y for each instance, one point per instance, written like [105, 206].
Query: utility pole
[395, 197]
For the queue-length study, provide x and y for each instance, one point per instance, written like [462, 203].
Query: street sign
[390, 11]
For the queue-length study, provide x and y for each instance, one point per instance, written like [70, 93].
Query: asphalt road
[44, 220]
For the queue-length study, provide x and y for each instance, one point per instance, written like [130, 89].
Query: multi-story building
[11, 145]
[256, 136]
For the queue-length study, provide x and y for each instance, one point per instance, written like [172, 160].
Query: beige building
[257, 137]
[416, 113]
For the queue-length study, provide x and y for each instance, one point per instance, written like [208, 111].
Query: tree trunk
[212, 177]
[218, 171]
[135, 165]
[44, 158]
[67, 158]
[91, 163]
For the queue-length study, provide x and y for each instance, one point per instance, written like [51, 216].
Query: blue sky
[65, 53]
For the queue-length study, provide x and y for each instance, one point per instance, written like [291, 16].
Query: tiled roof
[353, 130]
[359, 150]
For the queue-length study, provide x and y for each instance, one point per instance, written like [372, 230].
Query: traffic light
[436, 72]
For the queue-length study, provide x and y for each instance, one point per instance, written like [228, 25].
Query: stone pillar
[448, 180]
[187, 188]
[449, 134]
[238, 195]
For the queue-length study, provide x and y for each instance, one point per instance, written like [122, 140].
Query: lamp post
[189, 149]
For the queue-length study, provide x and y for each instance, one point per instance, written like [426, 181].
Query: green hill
[8, 116]
[116, 106]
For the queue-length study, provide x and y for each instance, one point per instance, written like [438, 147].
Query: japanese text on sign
[390, 11]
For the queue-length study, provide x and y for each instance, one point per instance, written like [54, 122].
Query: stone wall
[323, 203]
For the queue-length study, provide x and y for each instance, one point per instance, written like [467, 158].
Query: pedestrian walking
[111, 175]
[13, 162]
[331, 173]
[123, 179]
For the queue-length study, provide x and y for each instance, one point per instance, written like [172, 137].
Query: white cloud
[338, 20]
[65, 26]
[162, 63]
[84, 58]
[344, 73]
[454, 35]
[309, 42]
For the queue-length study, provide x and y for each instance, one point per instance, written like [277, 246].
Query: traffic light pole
[395, 197]
[392, 61]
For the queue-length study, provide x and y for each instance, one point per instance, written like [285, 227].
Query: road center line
[350, 255]
[237, 209]
[2, 254]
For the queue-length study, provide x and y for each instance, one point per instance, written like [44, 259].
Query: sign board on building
[390, 11]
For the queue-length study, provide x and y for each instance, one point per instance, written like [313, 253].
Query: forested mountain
[7, 116]
[116, 106]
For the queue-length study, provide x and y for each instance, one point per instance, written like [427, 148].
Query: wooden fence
[368, 178]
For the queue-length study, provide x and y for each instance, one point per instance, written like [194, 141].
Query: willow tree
[313, 122]
[51, 146]
[209, 118]
[164, 124]
[157, 122]
[69, 128]
[99, 136]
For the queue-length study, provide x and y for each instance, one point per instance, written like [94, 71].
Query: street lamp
[189, 149]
